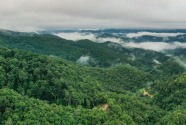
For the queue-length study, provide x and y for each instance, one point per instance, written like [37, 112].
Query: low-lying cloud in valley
[76, 36]
[79, 36]
[156, 46]
[180, 61]
[139, 34]
[83, 59]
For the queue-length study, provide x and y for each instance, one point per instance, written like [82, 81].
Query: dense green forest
[38, 89]
[100, 54]
[43, 82]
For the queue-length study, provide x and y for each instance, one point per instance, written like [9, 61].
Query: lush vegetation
[61, 81]
[39, 89]
[100, 54]
[74, 94]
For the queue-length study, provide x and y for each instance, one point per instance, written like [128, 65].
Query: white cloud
[180, 61]
[111, 39]
[83, 59]
[78, 36]
[138, 34]
[156, 61]
[156, 46]
[132, 57]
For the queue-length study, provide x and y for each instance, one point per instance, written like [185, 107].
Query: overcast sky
[33, 15]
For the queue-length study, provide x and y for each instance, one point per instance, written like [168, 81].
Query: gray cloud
[31, 15]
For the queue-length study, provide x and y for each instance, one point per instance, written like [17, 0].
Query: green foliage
[37, 89]
[101, 54]
[177, 117]
[170, 68]
[20, 109]
[63, 82]
[171, 92]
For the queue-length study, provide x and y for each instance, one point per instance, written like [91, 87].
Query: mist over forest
[92, 62]
[92, 77]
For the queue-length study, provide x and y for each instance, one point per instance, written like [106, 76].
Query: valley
[47, 79]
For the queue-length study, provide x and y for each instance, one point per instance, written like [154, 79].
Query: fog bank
[139, 34]
[156, 46]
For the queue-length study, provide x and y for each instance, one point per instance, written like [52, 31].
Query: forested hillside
[99, 54]
[92, 62]
[37, 89]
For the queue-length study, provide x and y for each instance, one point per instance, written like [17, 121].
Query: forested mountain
[79, 92]
[99, 54]
[115, 85]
